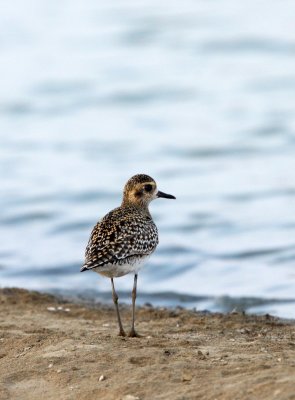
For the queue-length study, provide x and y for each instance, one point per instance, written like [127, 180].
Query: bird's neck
[138, 206]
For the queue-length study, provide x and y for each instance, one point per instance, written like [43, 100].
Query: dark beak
[165, 196]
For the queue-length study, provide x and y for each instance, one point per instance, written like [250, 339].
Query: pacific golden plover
[122, 241]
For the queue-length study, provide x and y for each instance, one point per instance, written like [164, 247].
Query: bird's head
[141, 190]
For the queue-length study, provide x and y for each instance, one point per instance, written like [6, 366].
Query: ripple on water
[249, 45]
[29, 217]
[77, 226]
[215, 152]
[255, 254]
[50, 271]
[172, 250]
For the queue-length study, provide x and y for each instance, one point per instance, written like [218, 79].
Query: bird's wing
[110, 245]
[98, 255]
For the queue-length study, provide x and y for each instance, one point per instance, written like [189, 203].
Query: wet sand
[52, 349]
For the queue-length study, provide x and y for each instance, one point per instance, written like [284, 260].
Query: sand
[52, 349]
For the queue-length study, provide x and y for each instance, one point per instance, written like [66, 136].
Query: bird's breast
[133, 265]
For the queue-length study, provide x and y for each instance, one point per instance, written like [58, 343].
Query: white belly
[115, 271]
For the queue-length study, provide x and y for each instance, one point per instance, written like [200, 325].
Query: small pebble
[50, 365]
[73, 387]
[101, 378]
[67, 309]
[279, 359]
[105, 325]
[243, 330]
[201, 355]
[58, 371]
[130, 397]
[186, 377]
[60, 308]
[51, 308]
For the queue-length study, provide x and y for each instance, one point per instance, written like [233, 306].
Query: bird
[124, 238]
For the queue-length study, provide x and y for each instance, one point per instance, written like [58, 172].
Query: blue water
[198, 94]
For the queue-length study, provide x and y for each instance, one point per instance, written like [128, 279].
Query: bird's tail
[84, 267]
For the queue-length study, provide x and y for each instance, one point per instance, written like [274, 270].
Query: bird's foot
[133, 333]
[121, 332]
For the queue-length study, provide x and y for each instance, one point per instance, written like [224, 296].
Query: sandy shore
[55, 350]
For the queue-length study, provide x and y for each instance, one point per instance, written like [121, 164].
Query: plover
[122, 241]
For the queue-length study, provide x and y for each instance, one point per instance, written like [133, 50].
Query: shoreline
[169, 299]
[58, 349]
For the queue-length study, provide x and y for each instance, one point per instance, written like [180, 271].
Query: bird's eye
[148, 188]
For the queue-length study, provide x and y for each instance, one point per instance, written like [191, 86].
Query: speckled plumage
[125, 237]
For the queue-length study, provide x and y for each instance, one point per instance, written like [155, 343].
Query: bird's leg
[133, 333]
[115, 300]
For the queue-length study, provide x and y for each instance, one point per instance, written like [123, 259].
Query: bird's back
[123, 235]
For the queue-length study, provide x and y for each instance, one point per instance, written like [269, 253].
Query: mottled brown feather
[122, 233]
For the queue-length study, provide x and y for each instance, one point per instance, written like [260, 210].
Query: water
[200, 95]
